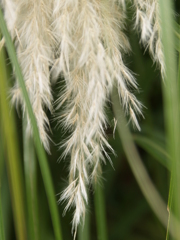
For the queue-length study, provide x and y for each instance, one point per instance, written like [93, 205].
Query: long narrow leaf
[31, 184]
[2, 236]
[171, 189]
[170, 201]
[137, 167]
[154, 149]
[84, 232]
[40, 151]
[100, 213]
[171, 105]
[177, 36]
[13, 163]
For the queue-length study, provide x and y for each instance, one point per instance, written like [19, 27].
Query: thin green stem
[2, 236]
[13, 160]
[2, 160]
[31, 184]
[100, 213]
[151, 194]
[40, 151]
[84, 230]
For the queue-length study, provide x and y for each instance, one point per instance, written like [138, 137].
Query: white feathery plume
[10, 8]
[33, 40]
[148, 22]
[89, 37]
[86, 37]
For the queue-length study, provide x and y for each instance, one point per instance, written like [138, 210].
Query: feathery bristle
[148, 22]
[33, 41]
[90, 43]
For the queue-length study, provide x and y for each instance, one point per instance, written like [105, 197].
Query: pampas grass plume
[84, 42]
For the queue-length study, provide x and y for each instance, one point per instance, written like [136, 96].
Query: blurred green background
[128, 214]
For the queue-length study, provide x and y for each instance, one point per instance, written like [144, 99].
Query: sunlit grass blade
[4, 188]
[1, 146]
[40, 151]
[171, 189]
[99, 202]
[30, 171]
[136, 164]
[13, 160]
[154, 149]
[171, 104]
[177, 35]
[2, 236]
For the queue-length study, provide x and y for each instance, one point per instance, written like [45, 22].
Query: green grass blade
[154, 149]
[84, 230]
[13, 163]
[171, 104]
[177, 36]
[100, 213]
[171, 189]
[170, 200]
[1, 146]
[151, 194]
[2, 236]
[31, 184]
[40, 151]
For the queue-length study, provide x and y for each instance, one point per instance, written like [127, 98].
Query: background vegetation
[117, 208]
